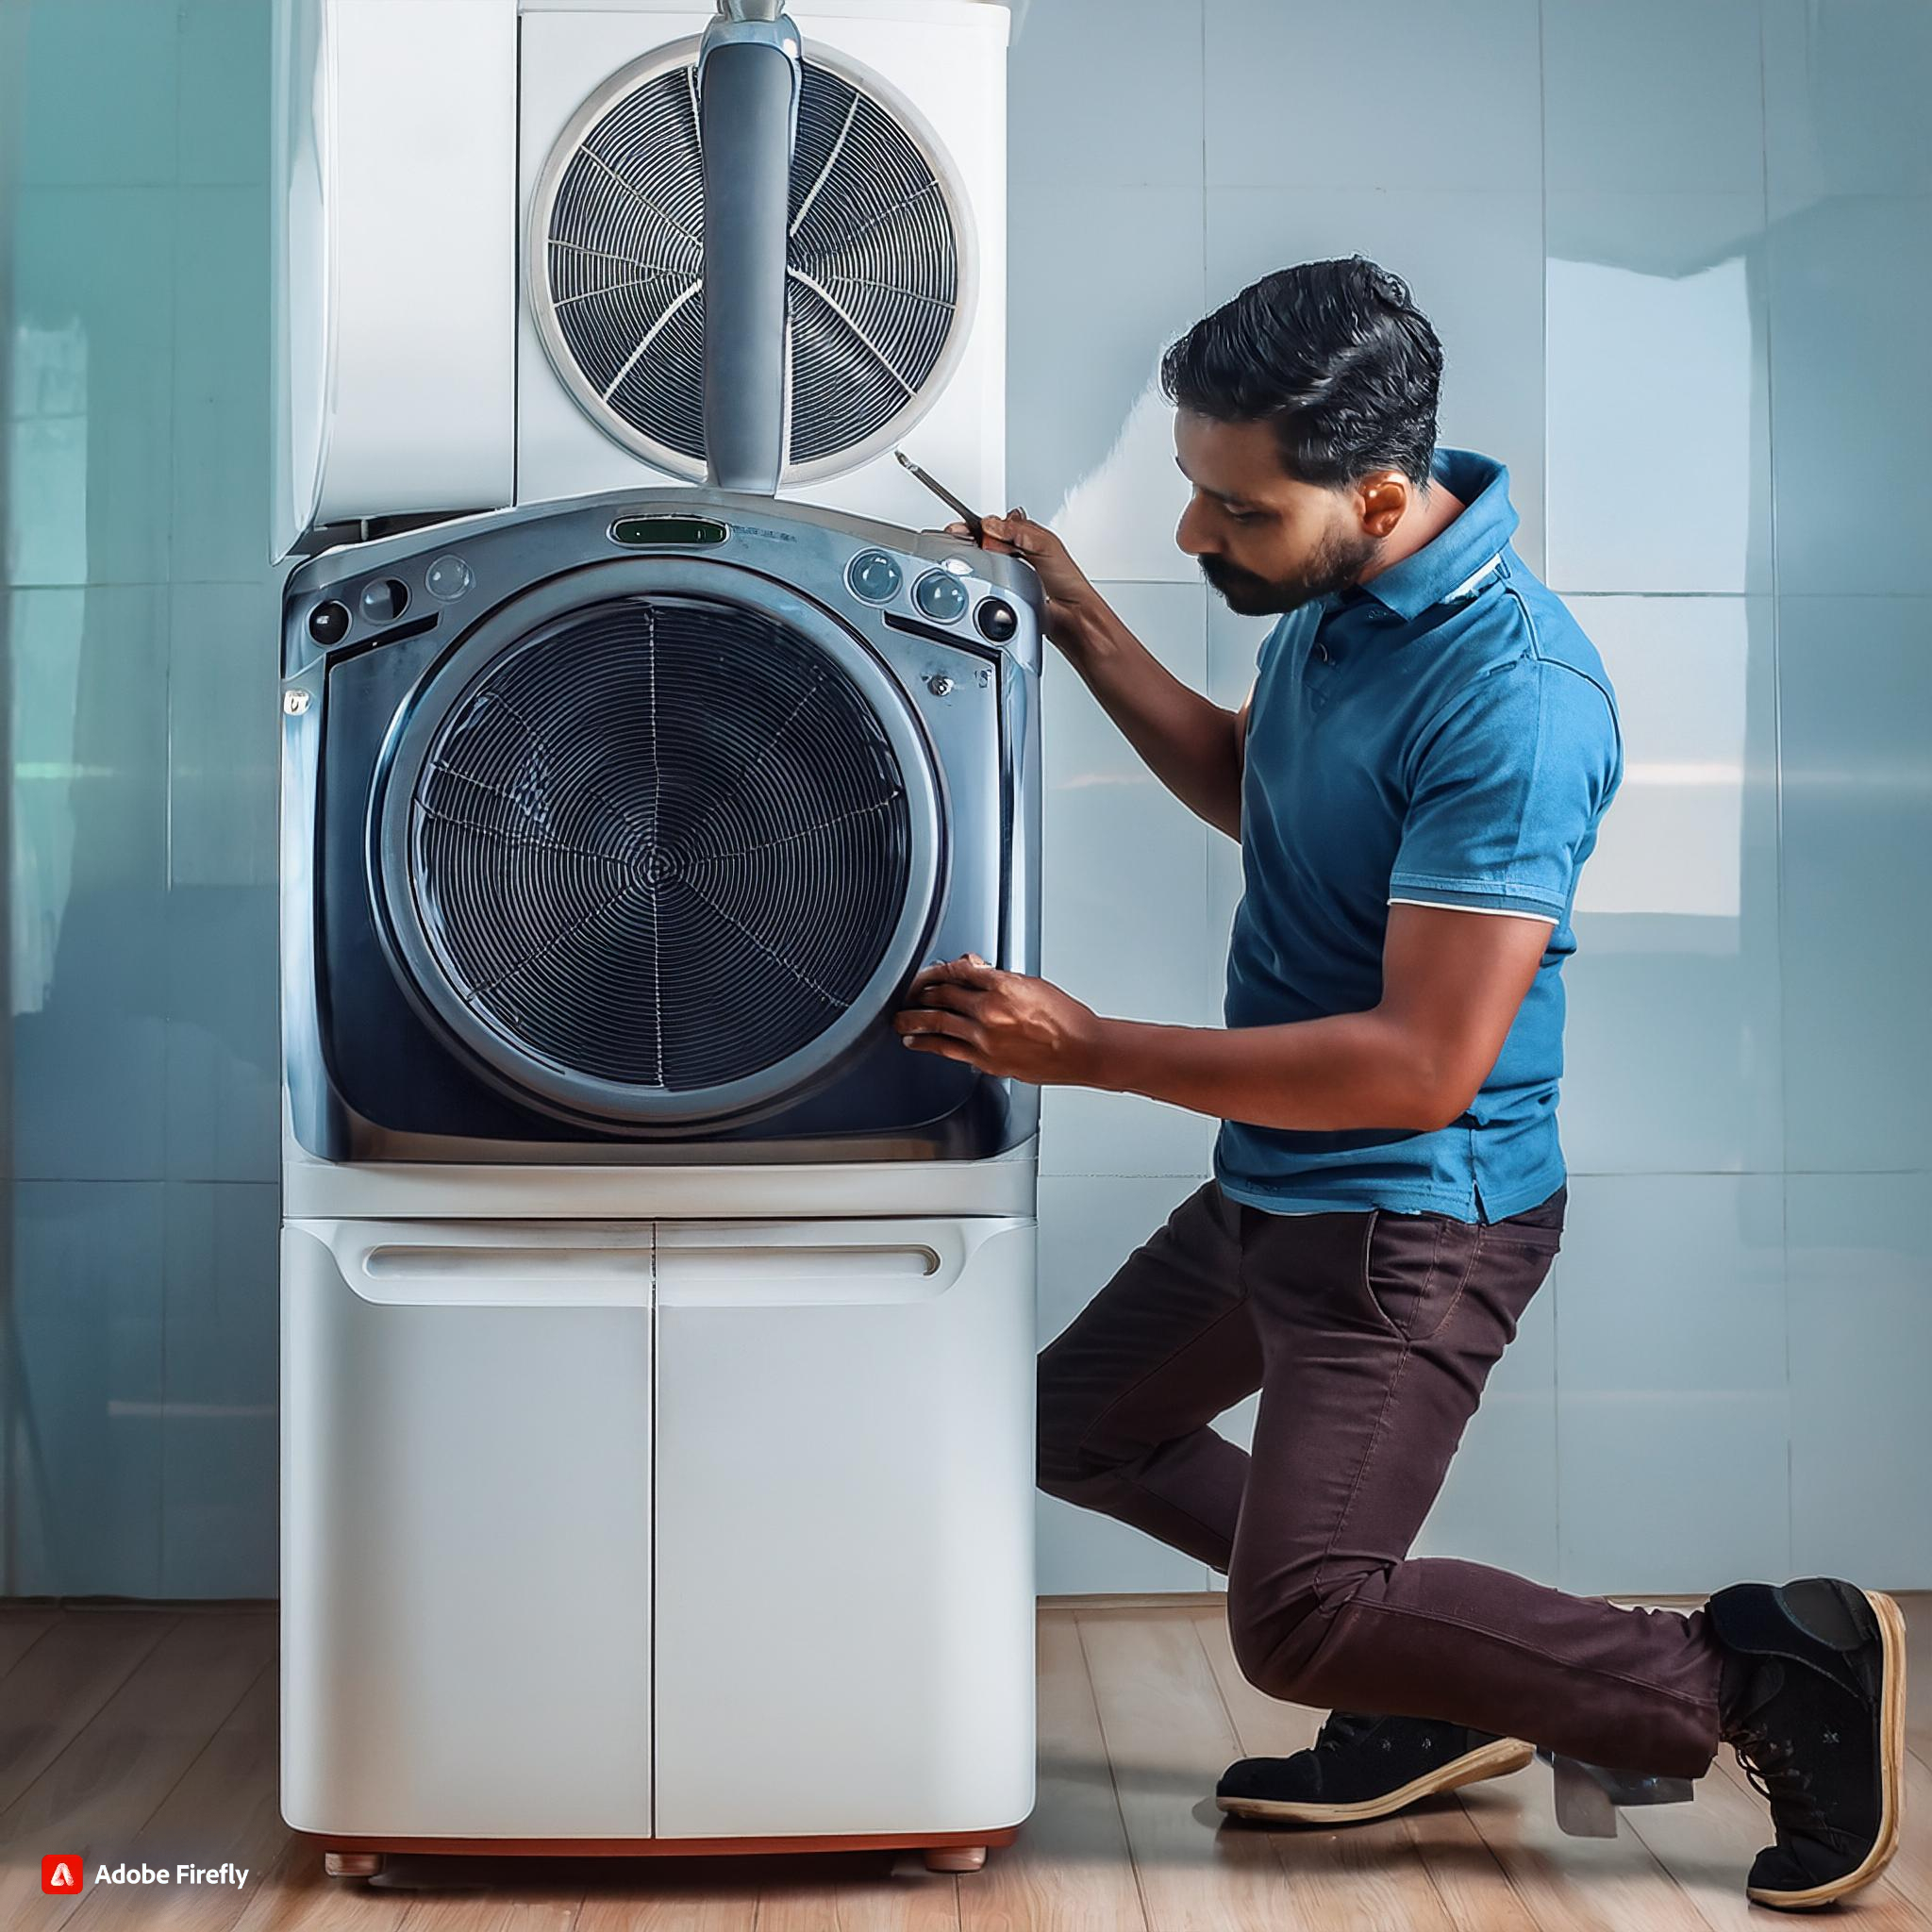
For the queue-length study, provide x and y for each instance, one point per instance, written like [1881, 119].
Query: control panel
[943, 594]
[394, 588]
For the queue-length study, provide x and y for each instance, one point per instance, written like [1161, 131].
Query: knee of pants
[1281, 1642]
[1061, 1468]
[1064, 1465]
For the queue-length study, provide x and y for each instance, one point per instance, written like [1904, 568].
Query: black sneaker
[1366, 1767]
[1812, 1698]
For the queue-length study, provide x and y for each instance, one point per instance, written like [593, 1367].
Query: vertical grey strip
[746, 99]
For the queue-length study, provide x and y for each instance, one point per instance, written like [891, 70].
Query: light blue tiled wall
[1679, 257]
[139, 1353]
[1668, 248]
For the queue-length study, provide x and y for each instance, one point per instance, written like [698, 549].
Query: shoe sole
[1891, 1758]
[1473, 1767]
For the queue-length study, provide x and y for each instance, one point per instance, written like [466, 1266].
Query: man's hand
[1003, 1024]
[1069, 594]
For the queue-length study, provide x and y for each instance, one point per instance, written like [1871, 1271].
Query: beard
[1333, 564]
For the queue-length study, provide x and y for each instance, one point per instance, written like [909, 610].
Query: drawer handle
[512, 1264]
[754, 1264]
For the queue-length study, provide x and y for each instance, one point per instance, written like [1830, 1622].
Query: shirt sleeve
[1508, 788]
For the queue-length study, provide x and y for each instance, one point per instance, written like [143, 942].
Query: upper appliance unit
[490, 243]
[615, 831]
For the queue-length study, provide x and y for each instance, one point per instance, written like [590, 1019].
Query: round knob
[328, 624]
[941, 596]
[997, 620]
[875, 576]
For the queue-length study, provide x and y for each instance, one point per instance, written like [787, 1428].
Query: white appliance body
[655, 1507]
[411, 141]
[638, 1507]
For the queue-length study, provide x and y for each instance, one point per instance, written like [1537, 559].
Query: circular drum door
[658, 843]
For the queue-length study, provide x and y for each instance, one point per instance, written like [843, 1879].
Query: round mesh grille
[874, 278]
[663, 843]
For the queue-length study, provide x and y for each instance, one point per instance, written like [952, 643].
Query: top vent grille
[878, 267]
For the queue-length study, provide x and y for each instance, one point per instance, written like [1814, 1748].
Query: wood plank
[672, 1895]
[1427, 1867]
[77, 1666]
[225, 1806]
[1168, 1740]
[1071, 1870]
[96, 1794]
[222, 1810]
[857, 1892]
[1575, 1884]
[294, 1896]
[20, 1630]
[530, 1901]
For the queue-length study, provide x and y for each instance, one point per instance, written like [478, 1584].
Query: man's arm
[1189, 743]
[1452, 982]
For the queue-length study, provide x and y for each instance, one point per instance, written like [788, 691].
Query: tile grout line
[1777, 762]
[1543, 146]
[1552, 1285]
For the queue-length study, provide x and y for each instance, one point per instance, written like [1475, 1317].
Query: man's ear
[1381, 497]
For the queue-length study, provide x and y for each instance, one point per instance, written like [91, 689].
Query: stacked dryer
[658, 1332]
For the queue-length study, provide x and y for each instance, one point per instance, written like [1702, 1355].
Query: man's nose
[1188, 532]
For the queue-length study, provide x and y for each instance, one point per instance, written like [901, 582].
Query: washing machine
[657, 1346]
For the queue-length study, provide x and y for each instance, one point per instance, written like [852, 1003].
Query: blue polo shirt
[1444, 734]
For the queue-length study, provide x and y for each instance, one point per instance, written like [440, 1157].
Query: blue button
[941, 596]
[449, 577]
[875, 576]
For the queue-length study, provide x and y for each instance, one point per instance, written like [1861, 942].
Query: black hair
[1334, 354]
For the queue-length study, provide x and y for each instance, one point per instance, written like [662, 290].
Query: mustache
[1225, 577]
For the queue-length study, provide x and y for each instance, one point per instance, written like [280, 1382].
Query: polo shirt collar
[1453, 555]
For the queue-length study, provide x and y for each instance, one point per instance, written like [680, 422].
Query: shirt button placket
[1323, 661]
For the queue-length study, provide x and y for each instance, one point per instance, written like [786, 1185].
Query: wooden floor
[151, 1734]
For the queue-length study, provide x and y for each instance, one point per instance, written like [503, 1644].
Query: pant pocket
[1413, 1268]
[1535, 1234]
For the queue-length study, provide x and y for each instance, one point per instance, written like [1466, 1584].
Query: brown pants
[1370, 1337]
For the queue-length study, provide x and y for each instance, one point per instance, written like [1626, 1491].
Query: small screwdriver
[945, 496]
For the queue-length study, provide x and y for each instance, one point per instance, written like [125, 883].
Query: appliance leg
[352, 1864]
[956, 1859]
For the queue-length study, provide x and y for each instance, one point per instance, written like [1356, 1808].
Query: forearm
[1190, 745]
[1351, 1070]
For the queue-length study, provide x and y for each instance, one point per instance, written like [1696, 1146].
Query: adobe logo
[60, 1875]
